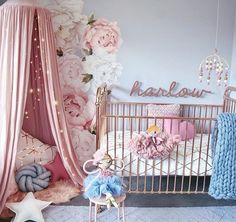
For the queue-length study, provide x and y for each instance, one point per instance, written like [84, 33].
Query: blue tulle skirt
[102, 185]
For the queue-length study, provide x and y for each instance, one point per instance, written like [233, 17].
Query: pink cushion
[171, 126]
[57, 169]
[162, 111]
[185, 129]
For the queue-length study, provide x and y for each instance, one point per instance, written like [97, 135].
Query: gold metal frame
[123, 116]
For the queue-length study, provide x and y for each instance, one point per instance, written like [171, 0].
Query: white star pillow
[28, 209]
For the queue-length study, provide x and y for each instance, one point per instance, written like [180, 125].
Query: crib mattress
[190, 157]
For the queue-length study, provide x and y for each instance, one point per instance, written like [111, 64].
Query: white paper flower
[84, 143]
[107, 71]
[71, 73]
[72, 7]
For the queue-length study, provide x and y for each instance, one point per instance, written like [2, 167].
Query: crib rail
[230, 99]
[186, 170]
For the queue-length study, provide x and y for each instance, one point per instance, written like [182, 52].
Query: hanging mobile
[215, 64]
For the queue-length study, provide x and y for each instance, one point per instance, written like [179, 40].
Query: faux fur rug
[58, 192]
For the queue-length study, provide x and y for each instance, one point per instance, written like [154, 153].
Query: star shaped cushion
[57, 169]
[28, 209]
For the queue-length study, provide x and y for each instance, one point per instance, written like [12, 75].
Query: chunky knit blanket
[223, 179]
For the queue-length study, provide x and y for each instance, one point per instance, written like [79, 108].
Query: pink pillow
[154, 110]
[56, 167]
[185, 129]
[171, 126]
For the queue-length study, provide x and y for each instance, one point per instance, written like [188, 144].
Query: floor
[150, 208]
[134, 214]
[163, 200]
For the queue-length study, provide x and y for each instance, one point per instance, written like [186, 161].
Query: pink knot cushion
[185, 129]
[147, 146]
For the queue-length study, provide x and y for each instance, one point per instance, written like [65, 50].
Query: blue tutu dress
[96, 187]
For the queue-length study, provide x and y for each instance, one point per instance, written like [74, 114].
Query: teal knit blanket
[223, 179]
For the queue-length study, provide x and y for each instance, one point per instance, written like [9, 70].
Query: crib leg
[118, 213]
[90, 211]
[123, 211]
[95, 211]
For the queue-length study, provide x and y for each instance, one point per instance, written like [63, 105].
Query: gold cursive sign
[171, 92]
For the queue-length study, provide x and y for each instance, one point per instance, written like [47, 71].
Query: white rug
[133, 214]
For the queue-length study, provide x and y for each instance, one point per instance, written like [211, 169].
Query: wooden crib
[188, 167]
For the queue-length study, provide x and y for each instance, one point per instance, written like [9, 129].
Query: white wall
[165, 40]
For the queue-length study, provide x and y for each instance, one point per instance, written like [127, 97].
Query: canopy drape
[27, 43]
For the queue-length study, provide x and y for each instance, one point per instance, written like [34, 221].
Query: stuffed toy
[153, 144]
[103, 181]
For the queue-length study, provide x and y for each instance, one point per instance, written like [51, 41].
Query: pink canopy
[30, 94]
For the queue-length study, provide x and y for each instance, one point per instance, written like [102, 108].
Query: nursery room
[118, 110]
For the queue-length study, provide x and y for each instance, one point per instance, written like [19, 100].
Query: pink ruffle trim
[154, 146]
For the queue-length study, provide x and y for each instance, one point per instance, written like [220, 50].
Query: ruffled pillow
[154, 146]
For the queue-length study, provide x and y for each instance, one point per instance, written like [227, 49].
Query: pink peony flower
[79, 109]
[84, 143]
[102, 34]
[71, 70]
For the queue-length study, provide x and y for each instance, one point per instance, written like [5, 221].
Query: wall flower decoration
[86, 49]
[107, 71]
[102, 33]
[84, 144]
[79, 108]
[71, 73]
